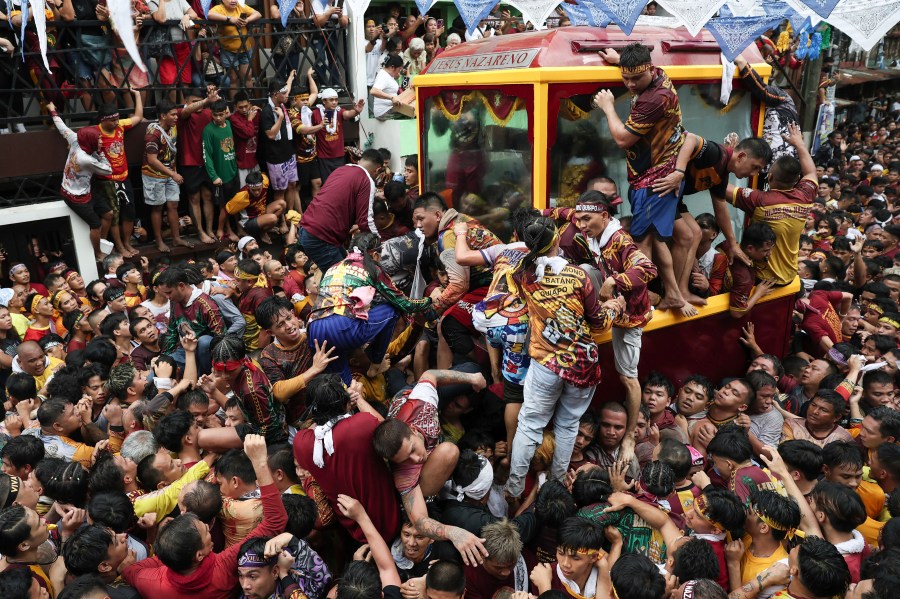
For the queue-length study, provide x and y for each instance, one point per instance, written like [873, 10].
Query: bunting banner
[865, 23]
[285, 7]
[799, 12]
[40, 27]
[206, 4]
[735, 34]
[823, 8]
[473, 12]
[358, 7]
[424, 6]
[123, 23]
[24, 24]
[587, 14]
[693, 14]
[535, 11]
[623, 13]
[738, 8]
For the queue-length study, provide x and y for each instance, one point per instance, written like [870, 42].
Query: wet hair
[110, 508]
[389, 436]
[361, 581]
[695, 559]
[698, 379]
[578, 533]
[149, 475]
[657, 379]
[591, 486]
[447, 576]
[121, 378]
[520, 217]
[678, 457]
[658, 478]
[24, 450]
[760, 379]
[777, 508]
[367, 242]
[172, 277]
[204, 500]
[724, 507]
[235, 463]
[890, 534]
[822, 569]
[634, 55]
[844, 509]
[50, 411]
[758, 234]
[105, 475]
[889, 459]
[102, 351]
[302, 513]
[467, 469]
[842, 453]
[755, 147]
[636, 577]
[178, 543]
[834, 399]
[86, 549]
[327, 398]
[554, 504]
[194, 397]
[171, 429]
[731, 443]
[22, 386]
[14, 529]
[15, 583]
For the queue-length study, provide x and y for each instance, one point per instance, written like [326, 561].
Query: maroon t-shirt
[329, 145]
[190, 136]
[353, 469]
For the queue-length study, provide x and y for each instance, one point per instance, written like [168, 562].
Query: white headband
[479, 487]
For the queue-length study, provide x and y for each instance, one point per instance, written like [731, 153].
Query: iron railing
[26, 86]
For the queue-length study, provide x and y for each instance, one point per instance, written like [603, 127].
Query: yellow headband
[553, 241]
[788, 532]
[641, 68]
[890, 321]
[701, 508]
[244, 276]
[35, 301]
[54, 299]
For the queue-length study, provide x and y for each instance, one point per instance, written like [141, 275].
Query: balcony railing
[88, 69]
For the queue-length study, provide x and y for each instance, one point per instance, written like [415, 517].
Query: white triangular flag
[40, 25]
[120, 16]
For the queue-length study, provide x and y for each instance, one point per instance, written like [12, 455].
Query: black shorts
[224, 192]
[116, 197]
[513, 393]
[307, 172]
[90, 212]
[195, 178]
[252, 228]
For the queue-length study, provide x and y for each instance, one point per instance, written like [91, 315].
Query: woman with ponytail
[358, 304]
[566, 318]
[232, 369]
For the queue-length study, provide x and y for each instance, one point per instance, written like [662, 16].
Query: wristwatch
[228, 20]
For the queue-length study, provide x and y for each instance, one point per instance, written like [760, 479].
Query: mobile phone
[440, 23]
[406, 66]
[184, 329]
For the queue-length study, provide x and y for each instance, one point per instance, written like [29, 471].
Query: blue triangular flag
[823, 8]
[284, 7]
[473, 12]
[206, 4]
[623, 13]
[734, 34]
[593, 13]
[25, 8]
[424, 6]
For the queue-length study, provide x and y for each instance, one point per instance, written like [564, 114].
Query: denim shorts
[159, 191]
[231, 60]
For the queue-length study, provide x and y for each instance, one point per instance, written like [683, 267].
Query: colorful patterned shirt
[566, 315]
[655, 118]
[418, 408]
[201, 313]
[462, 278]
[708, 169]
[621, 259]
[264, 415]
[336, 292]
[785, 212]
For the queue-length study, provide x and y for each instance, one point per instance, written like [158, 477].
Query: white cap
[877, 167]
[243, 242]
[327, 93]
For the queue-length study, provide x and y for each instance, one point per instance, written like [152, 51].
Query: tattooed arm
[469, 546]
[453, 377]
[775, 575]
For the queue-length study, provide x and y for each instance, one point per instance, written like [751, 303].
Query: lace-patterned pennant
[358, 7]
[473, 12]
[738, 8]
[623, 13]
[535, 11]
[865, 23]
[734, 34]
[424, 5]
[823, 8]
[693, 14]
[580, 14]
[40, 27]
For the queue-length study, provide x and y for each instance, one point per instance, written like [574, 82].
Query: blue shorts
[651, 211]
[231, 60]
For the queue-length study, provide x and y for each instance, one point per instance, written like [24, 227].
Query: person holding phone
[415, 57]
[328, 15]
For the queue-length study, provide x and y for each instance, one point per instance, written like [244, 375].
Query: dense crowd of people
[402, 405]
